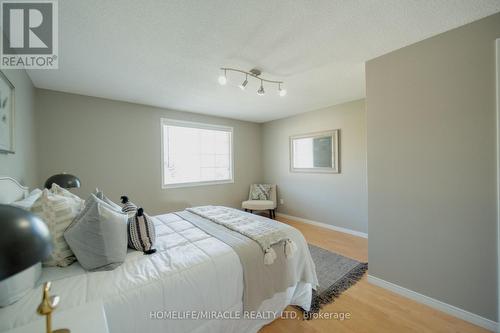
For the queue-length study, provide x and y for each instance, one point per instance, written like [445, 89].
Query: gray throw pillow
[98, 236]
[100, 195]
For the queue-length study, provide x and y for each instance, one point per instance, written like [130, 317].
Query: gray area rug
[336, 274]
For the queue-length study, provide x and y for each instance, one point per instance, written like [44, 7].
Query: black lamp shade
[24, 240]
[65, 180]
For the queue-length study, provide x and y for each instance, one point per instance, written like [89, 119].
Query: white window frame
[191, 124]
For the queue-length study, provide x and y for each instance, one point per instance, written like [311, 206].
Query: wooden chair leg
[274, 214]
[270, 213]
[251, 211]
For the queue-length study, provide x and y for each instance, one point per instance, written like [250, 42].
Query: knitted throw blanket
[264, 231]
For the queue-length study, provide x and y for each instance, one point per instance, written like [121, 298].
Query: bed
[191, 284]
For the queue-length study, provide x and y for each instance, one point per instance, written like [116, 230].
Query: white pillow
[100, 195]
[98, 236]
[28, 202]
[57, 211]
[56, 189]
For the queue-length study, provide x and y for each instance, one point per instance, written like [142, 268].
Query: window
[196, 154]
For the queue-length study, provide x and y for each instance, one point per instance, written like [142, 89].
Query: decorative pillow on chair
[141, 232]
[129, 207]
[98, 236]
[260, 192]
[57, 211]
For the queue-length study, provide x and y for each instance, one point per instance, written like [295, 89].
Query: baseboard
[324, 225]
[434, 303]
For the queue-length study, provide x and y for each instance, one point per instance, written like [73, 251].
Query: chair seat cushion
[258, 204]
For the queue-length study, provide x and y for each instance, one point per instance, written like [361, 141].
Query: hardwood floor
[371, 308]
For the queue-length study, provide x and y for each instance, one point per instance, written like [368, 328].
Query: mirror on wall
[315, 152]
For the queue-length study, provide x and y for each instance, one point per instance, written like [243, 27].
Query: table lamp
[65, 180]
[24, 241]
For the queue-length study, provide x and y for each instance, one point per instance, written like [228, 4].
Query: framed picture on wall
[315, 152]
[6, 115]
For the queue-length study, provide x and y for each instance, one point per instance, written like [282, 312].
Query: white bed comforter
[191, 271]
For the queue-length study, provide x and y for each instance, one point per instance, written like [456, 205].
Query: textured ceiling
[168, 53]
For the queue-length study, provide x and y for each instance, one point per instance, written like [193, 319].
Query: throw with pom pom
[264, 231]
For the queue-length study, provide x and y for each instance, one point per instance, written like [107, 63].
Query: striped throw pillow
[141, 232]
[128, 207]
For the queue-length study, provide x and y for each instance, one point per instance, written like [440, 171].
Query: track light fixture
[255, 73]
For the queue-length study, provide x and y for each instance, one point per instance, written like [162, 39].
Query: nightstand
[86, 318]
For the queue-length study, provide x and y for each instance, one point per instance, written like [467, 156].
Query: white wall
[22, 165]
[498, 169]
[336, 199]
[116, 146]
[432, 175]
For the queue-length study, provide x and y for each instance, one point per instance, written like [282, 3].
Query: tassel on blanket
[270, 256]
[290, 248]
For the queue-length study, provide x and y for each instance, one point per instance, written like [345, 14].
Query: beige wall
[22, 165]
[431, 167]
[336, 199]
[116, 146]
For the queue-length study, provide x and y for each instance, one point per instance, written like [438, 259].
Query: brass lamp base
[48, 305]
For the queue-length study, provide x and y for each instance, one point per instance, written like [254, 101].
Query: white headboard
[11, 190]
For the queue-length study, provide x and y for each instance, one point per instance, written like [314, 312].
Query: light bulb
[261, 91]
[243, 85]
[222, 80]
[282, 92]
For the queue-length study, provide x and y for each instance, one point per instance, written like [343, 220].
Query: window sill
[195, 184]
